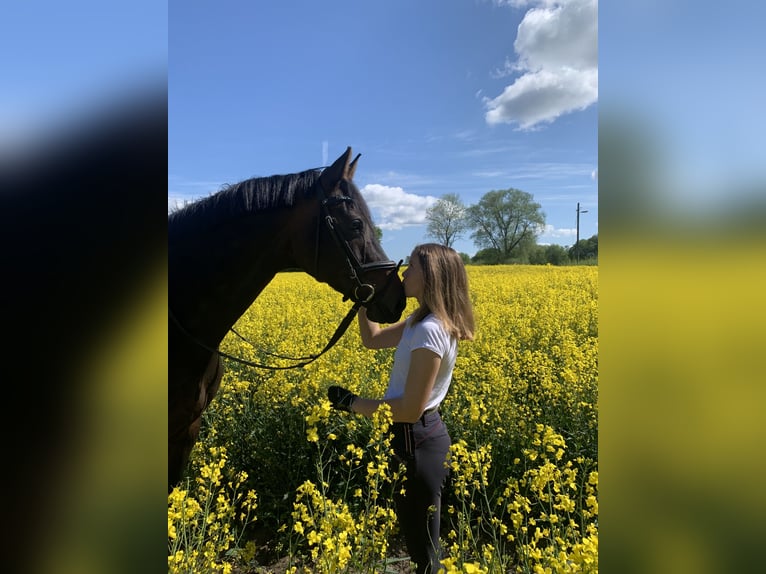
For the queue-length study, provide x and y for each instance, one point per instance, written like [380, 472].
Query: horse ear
[333, 174]
[352, 167]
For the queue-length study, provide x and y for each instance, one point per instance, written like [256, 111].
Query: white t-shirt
[427, 334]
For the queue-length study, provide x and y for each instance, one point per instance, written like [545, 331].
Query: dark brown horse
[225, 249]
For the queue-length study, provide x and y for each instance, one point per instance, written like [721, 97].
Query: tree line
[504, 225]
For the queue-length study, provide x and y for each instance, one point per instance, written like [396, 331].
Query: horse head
[348, 255]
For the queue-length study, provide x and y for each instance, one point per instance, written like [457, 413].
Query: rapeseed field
[280, 477]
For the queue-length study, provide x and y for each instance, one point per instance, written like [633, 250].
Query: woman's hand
[341, 398]
[375, 337]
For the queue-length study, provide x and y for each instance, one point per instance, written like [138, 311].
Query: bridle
[356, 269]
[362, 294]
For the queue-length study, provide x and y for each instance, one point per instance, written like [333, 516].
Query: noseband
[363, 292]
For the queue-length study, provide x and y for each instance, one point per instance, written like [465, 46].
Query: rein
[334, 339]
[342, 327]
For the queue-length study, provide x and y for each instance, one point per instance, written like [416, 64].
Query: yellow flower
[529, 379]
[313, 538]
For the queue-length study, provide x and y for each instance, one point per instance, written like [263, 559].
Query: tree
[446, 219]
[585, 249]
[489, 256]
[556, 255]
[504, 219]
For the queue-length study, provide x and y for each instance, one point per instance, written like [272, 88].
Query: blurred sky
[439, 97]
[686, 79]
[60, 64]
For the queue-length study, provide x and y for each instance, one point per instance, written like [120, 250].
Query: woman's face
[412, 279]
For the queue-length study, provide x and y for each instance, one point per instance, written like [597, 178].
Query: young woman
[426, 349]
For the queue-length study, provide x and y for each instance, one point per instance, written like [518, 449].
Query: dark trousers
[423, 448]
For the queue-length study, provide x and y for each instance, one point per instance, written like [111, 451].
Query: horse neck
[217, 276]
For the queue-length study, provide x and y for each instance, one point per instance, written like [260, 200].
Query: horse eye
[357, 225]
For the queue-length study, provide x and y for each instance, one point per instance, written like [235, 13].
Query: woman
[426, 349]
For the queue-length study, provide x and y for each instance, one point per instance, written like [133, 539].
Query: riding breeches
[423, 448]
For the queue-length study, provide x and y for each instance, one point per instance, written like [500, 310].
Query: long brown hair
[445, 289]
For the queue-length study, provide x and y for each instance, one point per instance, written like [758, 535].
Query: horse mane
[243, 198]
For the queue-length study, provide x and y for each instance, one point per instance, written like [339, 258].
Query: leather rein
[363, 292]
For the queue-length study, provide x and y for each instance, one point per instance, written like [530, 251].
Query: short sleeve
[430, 335]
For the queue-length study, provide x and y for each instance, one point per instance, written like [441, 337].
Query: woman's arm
[424, 365]
[373, 337]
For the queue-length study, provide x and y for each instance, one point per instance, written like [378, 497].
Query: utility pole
[577, 243]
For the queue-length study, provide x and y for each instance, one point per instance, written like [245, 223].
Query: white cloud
[394, 208]
[175, 202]
[182, 191]
[557, 49]
[552, 232]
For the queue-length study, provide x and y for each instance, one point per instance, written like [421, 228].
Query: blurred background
[682, 197]
[682, 193]
[83, 174]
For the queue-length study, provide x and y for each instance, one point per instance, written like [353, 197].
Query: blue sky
[464, 97]
[258, 88]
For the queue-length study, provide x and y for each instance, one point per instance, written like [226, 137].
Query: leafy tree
[585, 249]
[378, 233]
[489, 256]
[556, 255]
[548, 255]
[447, 219]
[503, 219]
[522, 251]
[537, 255]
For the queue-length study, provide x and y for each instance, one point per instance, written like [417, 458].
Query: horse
[223, 251]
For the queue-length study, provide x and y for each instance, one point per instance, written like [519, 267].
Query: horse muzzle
[384, 298]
